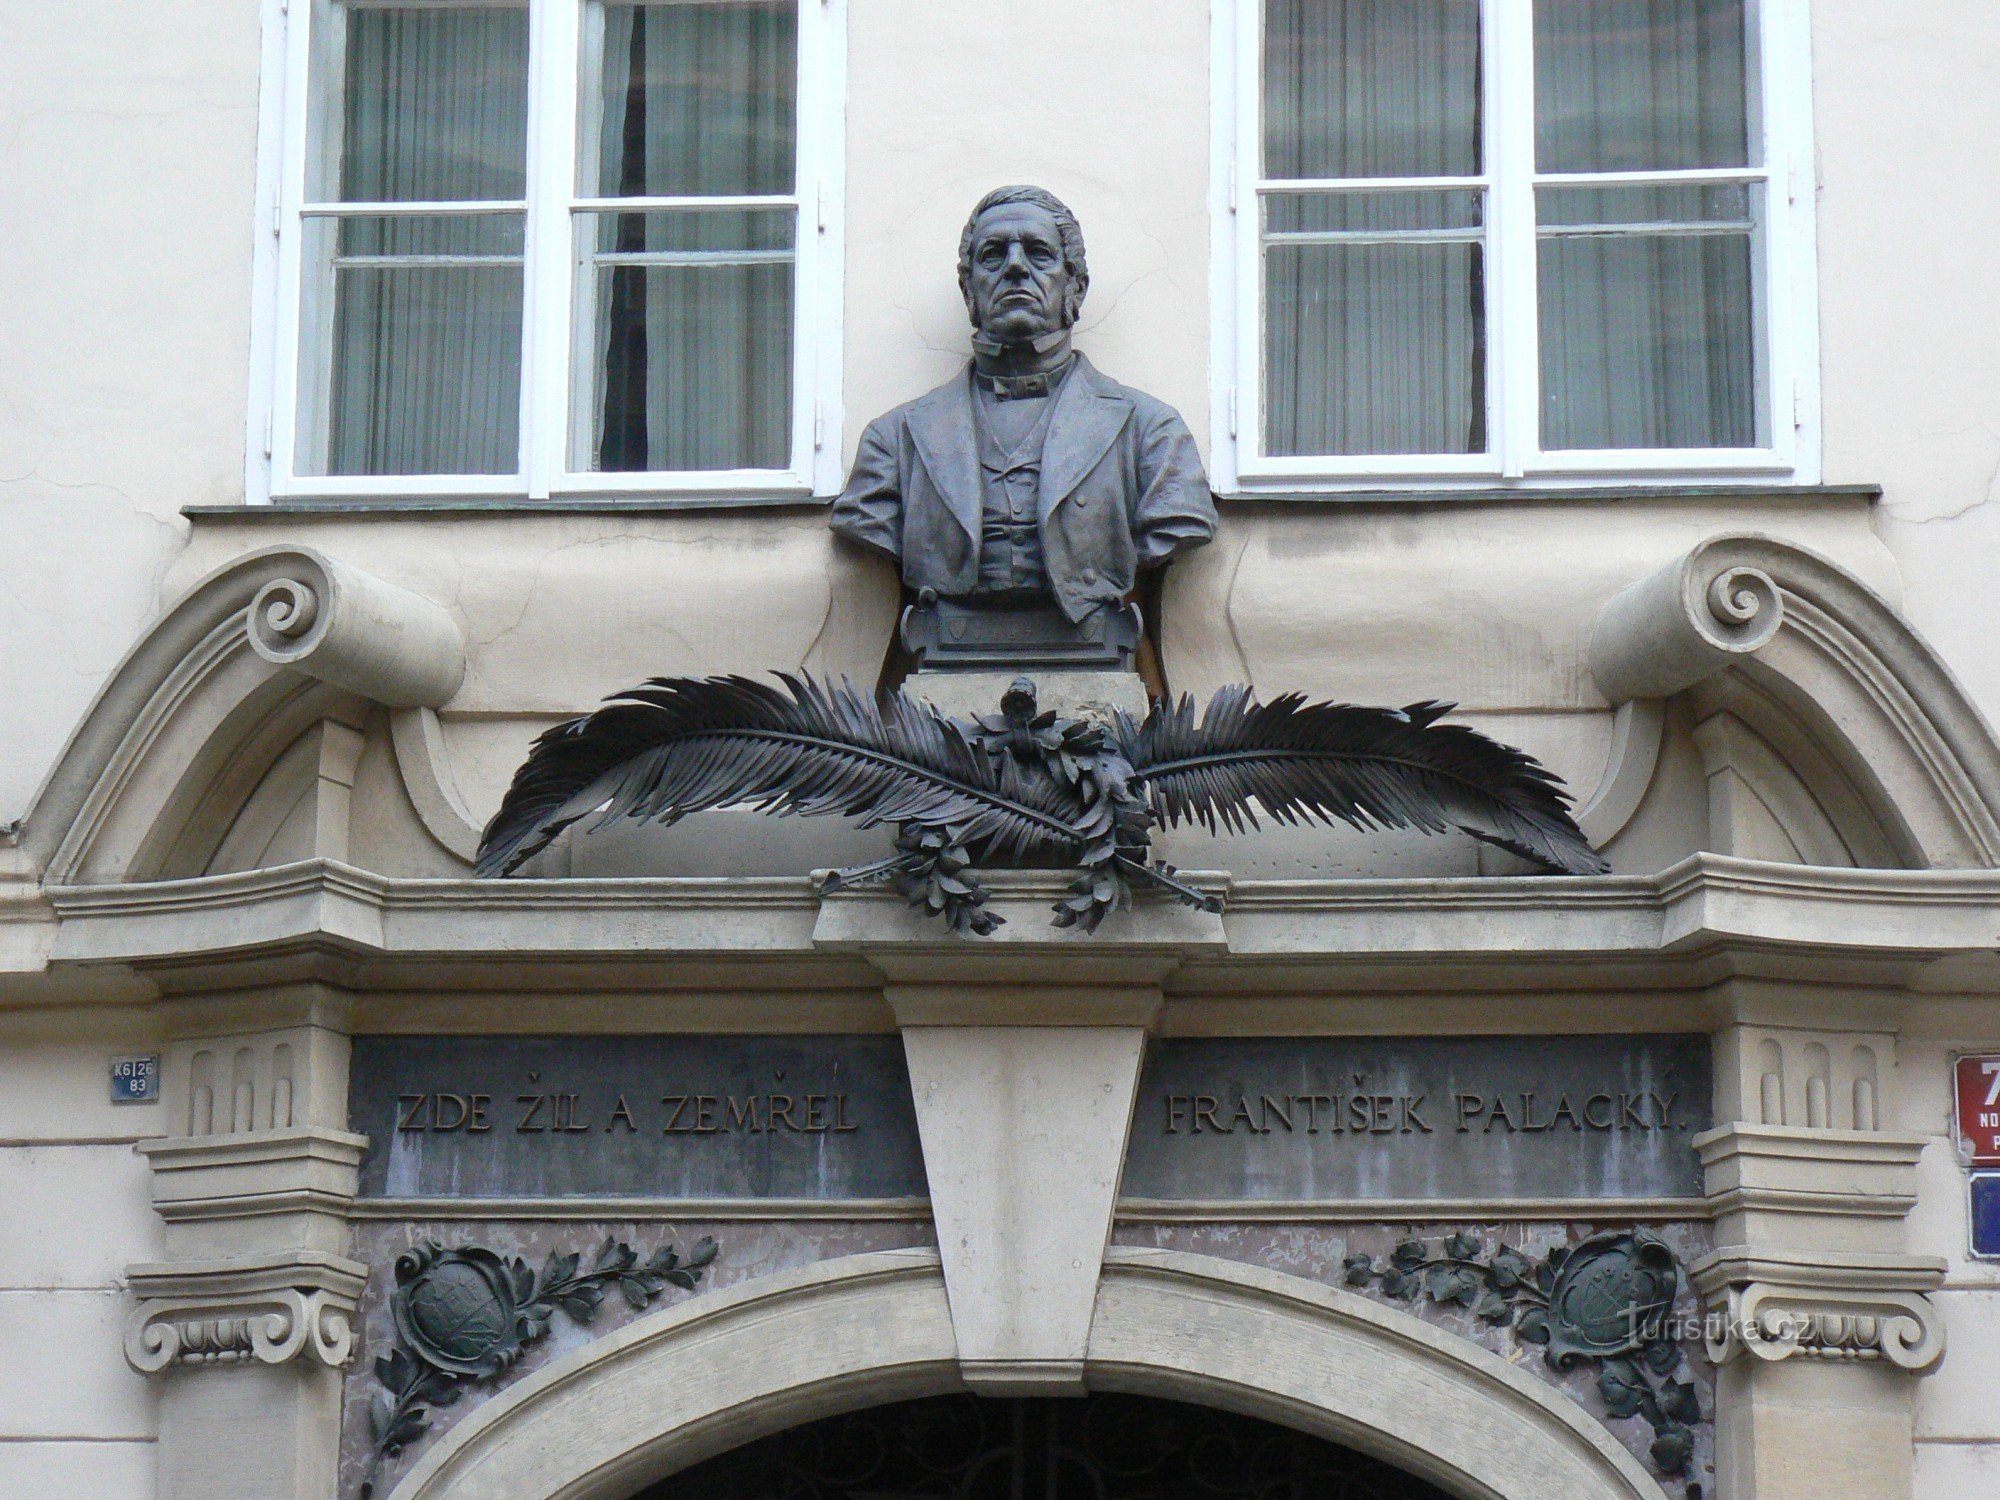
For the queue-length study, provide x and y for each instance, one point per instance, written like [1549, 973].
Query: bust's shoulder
[1149, 411]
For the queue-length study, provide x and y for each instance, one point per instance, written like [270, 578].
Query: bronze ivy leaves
[465, 1315]
[1603, 1302]
[1455, 1276]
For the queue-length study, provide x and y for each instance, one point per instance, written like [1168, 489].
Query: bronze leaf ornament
[1026, 787]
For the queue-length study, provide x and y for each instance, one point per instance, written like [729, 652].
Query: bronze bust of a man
[1023, 498]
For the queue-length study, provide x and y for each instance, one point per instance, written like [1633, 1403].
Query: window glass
[1371, 88]
[1374, 299]
[1647, 299]
[1596, 194]
[698, 99]
[435, 104]
[1646, 326]
[412, 312]
[425, 371]
[642, 247]
[691, 308]
[1639, 85]
[1377, 330]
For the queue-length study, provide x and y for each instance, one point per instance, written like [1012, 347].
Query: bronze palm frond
[1025, 787]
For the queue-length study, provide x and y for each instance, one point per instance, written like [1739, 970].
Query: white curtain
[1375, 329]
[694, 306]
[1646, 293]
[424, 370]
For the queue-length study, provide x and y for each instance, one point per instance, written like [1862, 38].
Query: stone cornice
[271, 1309]
[254, 1148]
[1879, 1150]
[1776, 1305]
[253, 1174]
[1692, 923]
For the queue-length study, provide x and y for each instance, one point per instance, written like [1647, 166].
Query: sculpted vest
[1010, 541]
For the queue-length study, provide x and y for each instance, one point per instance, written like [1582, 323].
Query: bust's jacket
[1122, 489]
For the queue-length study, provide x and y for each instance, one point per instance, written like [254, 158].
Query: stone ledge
[1839, 1190]
[1705, 899]
[254, 1171]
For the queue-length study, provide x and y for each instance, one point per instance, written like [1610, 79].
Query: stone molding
[1852, 926]
[1686, 620]
[1777, 1306]
[1846, 679]
[1024, 1131]
[1797, 1186]
[348, 628]
[253, 1173]
[271, 1310]
[211, 670]
[1638, 733]
[1157, 929]
[425, 761]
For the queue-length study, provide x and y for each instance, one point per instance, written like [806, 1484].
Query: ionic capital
[1861, 1308]
[219, 1312]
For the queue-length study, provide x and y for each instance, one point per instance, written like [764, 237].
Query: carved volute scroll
[271, 1312]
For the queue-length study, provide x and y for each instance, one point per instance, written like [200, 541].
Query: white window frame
[1784, 281]
[552, 286]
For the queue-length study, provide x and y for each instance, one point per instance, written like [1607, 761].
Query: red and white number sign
[1979, 1109]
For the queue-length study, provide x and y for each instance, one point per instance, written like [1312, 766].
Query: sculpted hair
[1067, 229]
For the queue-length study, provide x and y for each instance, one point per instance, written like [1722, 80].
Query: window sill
[1777, 492]
[510, 505]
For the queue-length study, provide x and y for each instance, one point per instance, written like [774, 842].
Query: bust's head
[1021, 267]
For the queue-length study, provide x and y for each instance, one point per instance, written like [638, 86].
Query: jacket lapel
[941, 426]
[1090, 413]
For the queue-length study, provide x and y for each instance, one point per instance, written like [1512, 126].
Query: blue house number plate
[135, 1080]
[1986, 1215]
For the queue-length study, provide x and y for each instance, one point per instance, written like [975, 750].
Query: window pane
[1688, 208]
[420, 318]
[435, 105]
[1375, 338]
[1371, 88]
[1639, 85]
[1373, 214]
[692, 359]
[698, 100]
[1647, 331]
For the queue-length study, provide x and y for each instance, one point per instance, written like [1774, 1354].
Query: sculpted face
[1020, 287]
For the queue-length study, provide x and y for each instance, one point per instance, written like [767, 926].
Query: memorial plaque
[635, 1117]
[1355, 1118]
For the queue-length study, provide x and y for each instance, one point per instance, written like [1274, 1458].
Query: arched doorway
[1102, 1447]
[779, 1353]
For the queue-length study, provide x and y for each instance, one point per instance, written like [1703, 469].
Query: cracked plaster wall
[127, 160]
[1905, 119]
